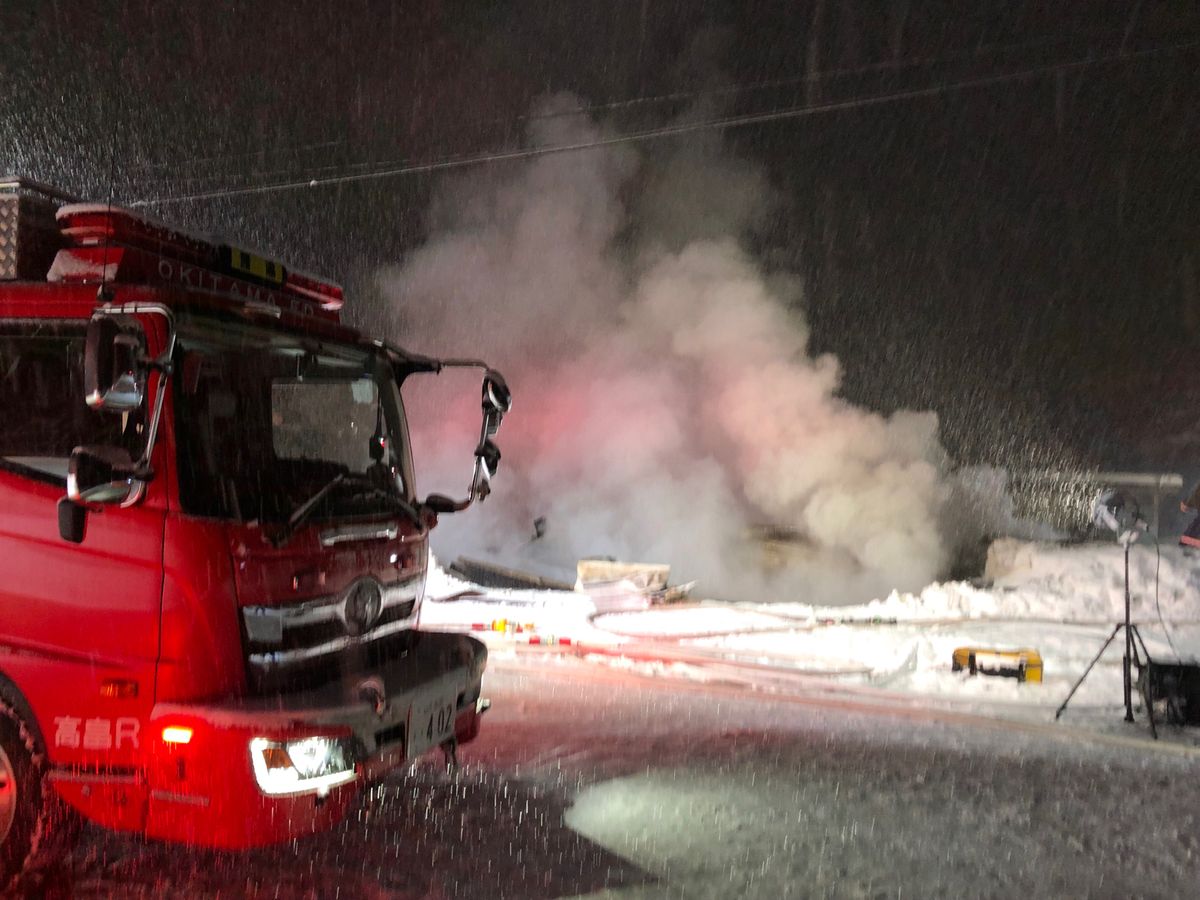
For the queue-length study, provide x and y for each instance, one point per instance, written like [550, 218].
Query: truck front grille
[305, 642]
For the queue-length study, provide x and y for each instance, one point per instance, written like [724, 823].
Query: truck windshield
[265, 419]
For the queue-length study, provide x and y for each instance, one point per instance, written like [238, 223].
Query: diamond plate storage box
[29, 236]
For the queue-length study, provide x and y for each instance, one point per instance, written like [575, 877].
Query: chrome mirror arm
[496, 401]
[163, 364]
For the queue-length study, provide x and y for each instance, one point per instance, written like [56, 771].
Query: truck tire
[36, 828]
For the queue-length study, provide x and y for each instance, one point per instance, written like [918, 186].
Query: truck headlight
[312, 764]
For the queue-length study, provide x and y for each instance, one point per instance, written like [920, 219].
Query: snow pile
[666, 395]
[1062, 583]
[1060, 600]
[1088, 581]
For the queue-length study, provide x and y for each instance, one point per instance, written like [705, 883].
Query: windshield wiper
[301, 513]
[371, 490]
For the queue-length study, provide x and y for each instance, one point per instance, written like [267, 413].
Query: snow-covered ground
[598, 781]
[1061, 600]
[592, 782]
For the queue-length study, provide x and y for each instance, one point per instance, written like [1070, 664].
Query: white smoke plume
[665, 397]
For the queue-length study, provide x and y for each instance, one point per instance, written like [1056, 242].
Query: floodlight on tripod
[1120, 514]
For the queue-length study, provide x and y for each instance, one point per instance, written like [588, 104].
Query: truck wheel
[36, 827]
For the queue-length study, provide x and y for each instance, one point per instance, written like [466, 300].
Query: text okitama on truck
[214, 556]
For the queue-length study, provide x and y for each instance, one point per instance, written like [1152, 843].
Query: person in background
[1191, 534]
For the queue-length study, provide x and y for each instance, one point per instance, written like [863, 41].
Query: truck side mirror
[103, 475]
[496, 401]
[497, 398]
[489, 455]
[114, 372]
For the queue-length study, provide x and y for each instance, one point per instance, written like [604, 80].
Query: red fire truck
[212, 554]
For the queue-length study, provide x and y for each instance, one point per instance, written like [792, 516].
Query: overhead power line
[720, 92]
[247, 154]
[673, 130]
[808, 78]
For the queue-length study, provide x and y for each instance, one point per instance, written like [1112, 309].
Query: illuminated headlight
[313, 764]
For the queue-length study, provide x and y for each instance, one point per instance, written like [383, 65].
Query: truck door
[79, 622]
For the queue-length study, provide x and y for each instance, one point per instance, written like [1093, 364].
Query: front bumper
[206, 791]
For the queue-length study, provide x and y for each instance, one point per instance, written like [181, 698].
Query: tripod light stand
[1120, 513]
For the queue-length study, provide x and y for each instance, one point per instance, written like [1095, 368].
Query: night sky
[1022, 257]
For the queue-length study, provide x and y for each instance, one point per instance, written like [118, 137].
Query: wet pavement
[588, 780]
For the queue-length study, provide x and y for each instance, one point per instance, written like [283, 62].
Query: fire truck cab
[212, 554]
